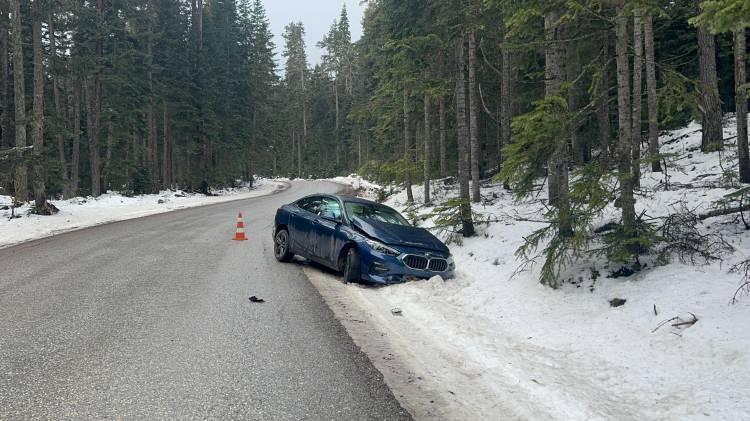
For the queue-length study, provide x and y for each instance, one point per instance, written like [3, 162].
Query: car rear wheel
[281, 246]
[351, 266]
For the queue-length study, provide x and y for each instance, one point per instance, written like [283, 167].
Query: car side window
[331, 209]
[311, 204]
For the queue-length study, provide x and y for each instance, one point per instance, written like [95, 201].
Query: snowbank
[83, 212]
[495, 344]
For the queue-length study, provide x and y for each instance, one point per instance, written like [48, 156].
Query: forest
[566, 98]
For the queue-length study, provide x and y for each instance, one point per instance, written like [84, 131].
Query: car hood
[400, 235]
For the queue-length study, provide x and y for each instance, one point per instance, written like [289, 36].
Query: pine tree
[20, 181]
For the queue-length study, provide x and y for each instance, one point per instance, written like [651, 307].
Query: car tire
[352, 266]
[281, 246]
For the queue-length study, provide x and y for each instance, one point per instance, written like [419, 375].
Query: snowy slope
[83, 212]
[505, 347]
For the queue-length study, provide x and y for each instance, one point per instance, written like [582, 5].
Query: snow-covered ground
[83, 212]
[491, 345]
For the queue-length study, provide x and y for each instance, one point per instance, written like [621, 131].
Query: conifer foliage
[561, 101]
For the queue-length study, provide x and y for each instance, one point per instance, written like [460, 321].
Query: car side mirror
[330, 216]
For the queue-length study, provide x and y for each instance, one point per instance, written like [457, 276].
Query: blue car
[363, 239]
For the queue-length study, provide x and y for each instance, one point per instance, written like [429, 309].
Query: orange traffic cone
[240, 235]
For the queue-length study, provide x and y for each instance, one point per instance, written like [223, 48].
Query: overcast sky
[317, 15]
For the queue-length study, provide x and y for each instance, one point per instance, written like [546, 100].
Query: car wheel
[281, 246]
[351, 266]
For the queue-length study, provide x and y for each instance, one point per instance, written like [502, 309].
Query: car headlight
[451, 263]
[382, 248]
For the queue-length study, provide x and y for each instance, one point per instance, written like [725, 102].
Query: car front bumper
[384, 269]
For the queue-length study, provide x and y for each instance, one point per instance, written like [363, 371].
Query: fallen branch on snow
[679, 322]
[722, 212]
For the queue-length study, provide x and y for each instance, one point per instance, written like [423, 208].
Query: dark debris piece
[617, 302]
[255, 299]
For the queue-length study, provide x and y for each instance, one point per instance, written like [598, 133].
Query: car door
[303, 223]
[327, 228]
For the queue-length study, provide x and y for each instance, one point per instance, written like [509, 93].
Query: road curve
[150, 319]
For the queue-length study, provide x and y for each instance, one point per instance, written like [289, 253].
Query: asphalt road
[150, 319]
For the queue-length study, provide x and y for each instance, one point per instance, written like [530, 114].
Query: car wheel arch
[342, 254]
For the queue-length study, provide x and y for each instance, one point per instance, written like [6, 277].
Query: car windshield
[374, 212]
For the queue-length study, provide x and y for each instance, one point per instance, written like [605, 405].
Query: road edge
[412, 385]
[282, 186]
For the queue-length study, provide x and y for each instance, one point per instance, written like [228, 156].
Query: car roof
[353, 199]
[343, 198]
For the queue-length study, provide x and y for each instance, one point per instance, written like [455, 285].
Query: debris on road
[255, 299]
[617, 302]
[397, 311]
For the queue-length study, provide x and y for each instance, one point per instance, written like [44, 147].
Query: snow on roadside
[505, 347]
[83, 212]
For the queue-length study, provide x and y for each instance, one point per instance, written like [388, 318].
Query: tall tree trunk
[653, 99]
[153, 142]
[299, 155]
[4, 25]
[359, 150]
[166, 164]
[554, 77]
[303, 100]
[463, 141]
[338, 124]
[506, 101]
[443, 138]
[474, 118]
[740, 77]
[602, 105]
[572, 68]
[93, 136]
[75, 153]
[637, 96]
[710, 103]
[94, 107]
[106, 178]
[626, 200]
[201, 138]
[37, 125]
[408, 153]
[57, 99]
[427, 148]
[21, 176]
[294, 150]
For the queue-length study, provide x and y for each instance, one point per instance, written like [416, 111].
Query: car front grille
[416, 262]
[438, 265]
[421, 263]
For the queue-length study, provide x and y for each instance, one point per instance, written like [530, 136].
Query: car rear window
[374, 212]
